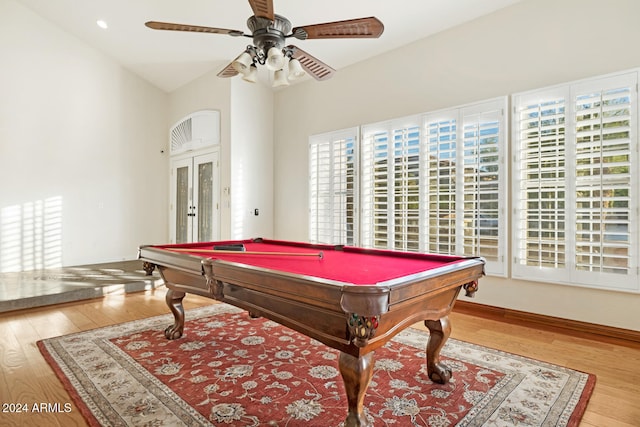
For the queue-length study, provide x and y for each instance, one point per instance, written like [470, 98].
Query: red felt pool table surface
[351, 299]
[347, 264]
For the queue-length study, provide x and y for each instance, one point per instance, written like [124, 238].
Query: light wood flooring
[26, 377]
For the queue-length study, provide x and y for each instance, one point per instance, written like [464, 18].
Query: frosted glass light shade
[251, 75]
[295, 69]
[280, 79]
[275, 59]
[242, 62]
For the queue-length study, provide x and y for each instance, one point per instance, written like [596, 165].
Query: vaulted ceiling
[169, 59]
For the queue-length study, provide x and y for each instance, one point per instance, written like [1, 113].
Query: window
[465, 190]
[439, 167]
[391, 185]
[332, 187]
[576, 183]
[437, 182]
[431, 183]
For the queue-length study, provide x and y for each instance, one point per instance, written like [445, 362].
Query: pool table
[351, 299]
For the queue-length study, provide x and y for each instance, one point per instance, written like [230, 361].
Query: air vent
[198, 130]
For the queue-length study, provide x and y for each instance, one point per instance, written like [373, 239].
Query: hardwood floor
[26, 378]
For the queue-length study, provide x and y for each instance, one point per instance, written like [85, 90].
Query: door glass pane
[182, 205]
[205, 202]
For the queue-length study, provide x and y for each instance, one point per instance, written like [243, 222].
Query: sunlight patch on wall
[31, 235]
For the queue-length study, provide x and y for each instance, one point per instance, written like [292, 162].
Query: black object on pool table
[232, 247]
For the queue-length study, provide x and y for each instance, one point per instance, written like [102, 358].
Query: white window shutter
[606, 180]
[440, 168]
[540, 216]
[391, 185]
[576, 183]
[413, 193]
[482, 209]
[333, 188]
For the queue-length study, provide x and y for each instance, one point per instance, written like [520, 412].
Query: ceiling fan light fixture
[295, 69]
[279, 79]
[270, 31]
[251, 75]
[275, 59]
[243, 62]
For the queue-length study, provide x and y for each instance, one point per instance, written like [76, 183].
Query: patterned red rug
[231, 370]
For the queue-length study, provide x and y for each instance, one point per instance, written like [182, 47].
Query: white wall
[246, 149]
[533, 44]
[82, 172]
[82, 179]
[251, 160]
[208, 92]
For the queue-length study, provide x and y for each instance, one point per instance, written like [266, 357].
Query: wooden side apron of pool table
[354, 319]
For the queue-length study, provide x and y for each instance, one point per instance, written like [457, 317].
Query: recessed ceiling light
[102, 24]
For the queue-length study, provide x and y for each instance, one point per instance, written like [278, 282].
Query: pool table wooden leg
[174, 301]
[148, 268]
[356, 374]
[439, 332]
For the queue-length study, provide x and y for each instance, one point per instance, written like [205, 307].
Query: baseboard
[585, 329]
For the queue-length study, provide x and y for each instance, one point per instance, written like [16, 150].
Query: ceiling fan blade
[263, 8]
[370, 27]
[228, 71]
[318, 69]
[192, 28]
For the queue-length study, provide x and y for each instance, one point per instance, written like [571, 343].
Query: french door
[195, 198]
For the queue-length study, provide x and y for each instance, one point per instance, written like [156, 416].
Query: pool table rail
[355, 319]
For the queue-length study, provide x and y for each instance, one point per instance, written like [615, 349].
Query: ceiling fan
[269, 32]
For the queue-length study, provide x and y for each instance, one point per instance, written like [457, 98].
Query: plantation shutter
[320, 182]
[406, 189]
[391, 185]
[428, 183]
[540, 211]
[439, 168]
[332, 188]
[483, 185]
[375, 189]
[576, 183]
[605, 116]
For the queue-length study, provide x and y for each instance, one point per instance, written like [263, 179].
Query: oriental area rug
[231, 370]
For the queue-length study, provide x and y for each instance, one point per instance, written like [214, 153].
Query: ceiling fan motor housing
[267, 33]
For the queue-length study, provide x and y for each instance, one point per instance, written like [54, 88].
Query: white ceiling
[169, 59]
